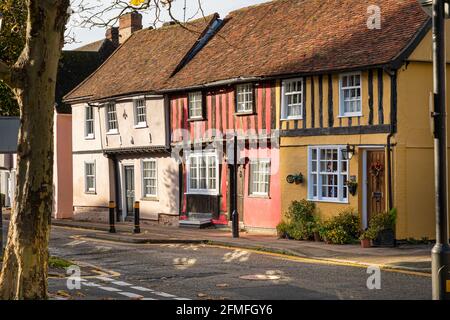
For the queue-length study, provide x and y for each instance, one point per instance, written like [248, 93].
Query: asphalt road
[177, 272]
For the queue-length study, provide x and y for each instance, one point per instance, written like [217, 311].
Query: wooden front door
[240, 191]
[376, 187]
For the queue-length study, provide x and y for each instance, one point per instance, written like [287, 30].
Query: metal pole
[112, 206]
[440, 252]
[235, 214]
[1, 222]
[137, 227]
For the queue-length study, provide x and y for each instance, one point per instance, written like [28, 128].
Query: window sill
[89, 138]
[257, 196]
[193, 193]
[92, 193]
[243, 114]
[112, 133]
[154, 199]
[140, 126]
[329, 201]
[196, 119]
[351, 115]
[292, 119]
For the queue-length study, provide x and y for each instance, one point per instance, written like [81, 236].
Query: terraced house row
[324, 108]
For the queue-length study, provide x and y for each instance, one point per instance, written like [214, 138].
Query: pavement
[405, 257]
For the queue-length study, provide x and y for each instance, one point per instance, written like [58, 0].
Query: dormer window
[111, 118]
[140, 113]
[245, 98]
[195, 102]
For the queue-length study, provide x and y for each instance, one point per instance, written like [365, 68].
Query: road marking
[91, 284]
[148, 299]
[142, 289]
[181, 299]
[121, 283]
[163, 294]
[110, 289]
[105, 279]
[131, 295]
[330, 262]
[75, 243]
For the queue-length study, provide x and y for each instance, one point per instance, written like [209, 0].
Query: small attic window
[195, 102]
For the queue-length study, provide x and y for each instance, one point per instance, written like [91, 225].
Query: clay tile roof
[303, 36]
[143, 62]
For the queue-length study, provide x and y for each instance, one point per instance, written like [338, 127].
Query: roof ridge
[253, 6]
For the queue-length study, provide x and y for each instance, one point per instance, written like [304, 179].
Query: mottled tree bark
[32, 78]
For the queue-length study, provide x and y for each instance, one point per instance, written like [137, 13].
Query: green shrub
[283, 229]
[379, 222]
[302, 223]
[341, 229]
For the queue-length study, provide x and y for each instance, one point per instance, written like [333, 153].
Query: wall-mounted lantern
[348, 152]
[295, 178]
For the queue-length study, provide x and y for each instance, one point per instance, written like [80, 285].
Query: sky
[84, 36]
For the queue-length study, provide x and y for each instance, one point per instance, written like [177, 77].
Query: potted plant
[382, 229]
[352, 186]
[366, 241]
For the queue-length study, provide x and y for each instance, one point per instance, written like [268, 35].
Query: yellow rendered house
[356, 122]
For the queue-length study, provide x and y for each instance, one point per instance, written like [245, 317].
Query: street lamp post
[1, 210]
[440, 253]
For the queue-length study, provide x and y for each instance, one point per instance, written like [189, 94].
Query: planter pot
[385, 238]
[317, 237]
[366, 243]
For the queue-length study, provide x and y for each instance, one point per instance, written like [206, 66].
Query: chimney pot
[112, 34]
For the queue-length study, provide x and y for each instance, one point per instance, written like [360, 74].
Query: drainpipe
[393, 130]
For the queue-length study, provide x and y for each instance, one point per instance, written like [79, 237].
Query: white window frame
[258, 162]
[89, 135]
[193, 105]
[144, 194]
[342, 112]
[198, 156]
[94, 176]
[137, 122]
[341, 183]
[284, 100]
[109, 117]
[246, 102]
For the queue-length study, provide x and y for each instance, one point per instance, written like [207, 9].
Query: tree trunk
[25, 264]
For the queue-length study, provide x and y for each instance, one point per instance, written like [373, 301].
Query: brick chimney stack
[112, 34]
[129, 23]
